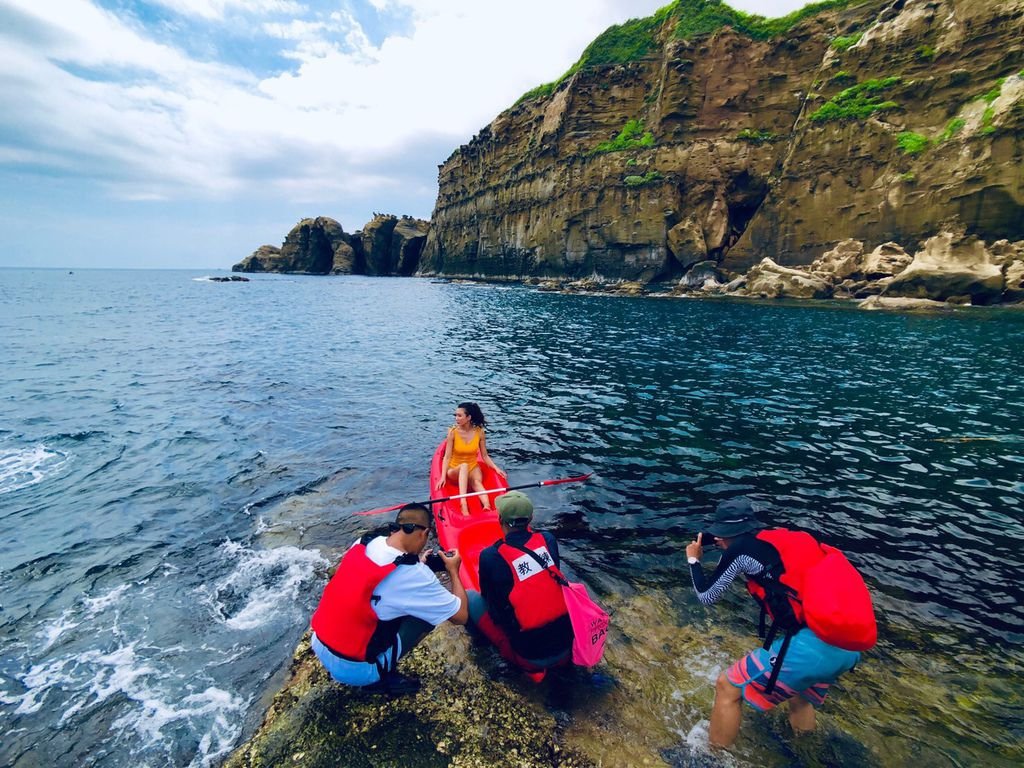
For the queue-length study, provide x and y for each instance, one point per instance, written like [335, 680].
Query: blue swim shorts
[808, 669]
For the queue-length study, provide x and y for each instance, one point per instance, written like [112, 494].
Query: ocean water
[181, 460]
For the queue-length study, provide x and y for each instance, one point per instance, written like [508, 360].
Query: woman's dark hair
[476, 416]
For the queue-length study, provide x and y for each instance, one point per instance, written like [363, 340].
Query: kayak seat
[476, 537]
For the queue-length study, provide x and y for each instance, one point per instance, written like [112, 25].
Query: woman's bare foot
[465, 510]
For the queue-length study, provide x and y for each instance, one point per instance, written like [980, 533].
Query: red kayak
[472, 533]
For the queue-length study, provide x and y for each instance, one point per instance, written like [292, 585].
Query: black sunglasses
[407, 527]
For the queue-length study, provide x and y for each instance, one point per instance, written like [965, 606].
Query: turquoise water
[180, 460]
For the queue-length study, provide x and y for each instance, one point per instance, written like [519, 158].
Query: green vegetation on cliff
[912, 143]
[953, 127]
[843, 42]
[639, 181]
[858, 102]
[633, 136]
[760, 136]
[635, 39]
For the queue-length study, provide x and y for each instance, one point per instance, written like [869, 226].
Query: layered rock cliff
[703, 134]
[387, 245]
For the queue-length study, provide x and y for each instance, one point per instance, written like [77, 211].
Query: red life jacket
[536, 597]
[345, 620]
[817, 588]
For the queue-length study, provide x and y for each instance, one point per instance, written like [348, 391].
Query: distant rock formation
[387, 245]
[698, 135]
[393, 246]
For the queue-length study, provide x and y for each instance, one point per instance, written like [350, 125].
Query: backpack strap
[552, 569]
[777, 666]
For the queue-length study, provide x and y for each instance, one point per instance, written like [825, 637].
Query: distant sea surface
[181, 461]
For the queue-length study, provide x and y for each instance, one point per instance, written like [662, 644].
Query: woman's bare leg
[476, 477]
[464, 486]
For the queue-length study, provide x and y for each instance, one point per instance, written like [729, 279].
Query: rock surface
[768, 280]
[948, 268]
[460, 718]
[742, 163]
[387, 245]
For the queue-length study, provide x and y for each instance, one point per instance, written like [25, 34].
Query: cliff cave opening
[320, 251]
[744, 196]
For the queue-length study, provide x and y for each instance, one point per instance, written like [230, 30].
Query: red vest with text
[345, 620]
[536, 599]
[817, 588]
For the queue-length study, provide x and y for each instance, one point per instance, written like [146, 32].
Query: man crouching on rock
[381, 602]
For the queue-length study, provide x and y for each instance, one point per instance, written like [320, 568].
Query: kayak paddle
[576, 479]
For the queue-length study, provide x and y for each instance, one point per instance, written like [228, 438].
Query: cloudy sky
[186, 133]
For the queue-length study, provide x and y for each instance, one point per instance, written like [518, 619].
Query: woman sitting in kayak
[466, 448]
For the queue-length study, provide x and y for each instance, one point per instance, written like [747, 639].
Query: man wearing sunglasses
[381, 602]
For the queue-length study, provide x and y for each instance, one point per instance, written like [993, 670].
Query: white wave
[52, 631]
[262, 580]
[37, 682]
[211, 706]
[22, 467]
[95, 605]
[94, 677]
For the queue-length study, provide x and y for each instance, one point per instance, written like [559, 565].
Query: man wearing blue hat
[798, 667]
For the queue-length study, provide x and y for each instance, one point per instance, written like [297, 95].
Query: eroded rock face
[266, 258]
[740, 168]
[388, 245]
[887, 260]
[950, 267]
[309, 248]
[904, 304]
[392, 245]
[772, 281]
[407, 241]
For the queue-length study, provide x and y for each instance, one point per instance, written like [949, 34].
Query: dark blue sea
[181, 461]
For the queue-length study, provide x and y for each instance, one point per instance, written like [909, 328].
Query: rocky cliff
[703, 134]
[387, 245]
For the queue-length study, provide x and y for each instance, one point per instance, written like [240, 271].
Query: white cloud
[100, 99]
[217, 9]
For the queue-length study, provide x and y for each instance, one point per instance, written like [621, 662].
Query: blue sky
[186, 133]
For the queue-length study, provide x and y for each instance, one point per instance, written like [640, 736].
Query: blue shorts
[809, 668]
[357, 673]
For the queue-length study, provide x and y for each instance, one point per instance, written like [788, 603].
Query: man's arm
[735, 560]
[451, 564]
[495, 587]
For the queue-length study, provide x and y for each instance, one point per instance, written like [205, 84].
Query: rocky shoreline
[950, 270]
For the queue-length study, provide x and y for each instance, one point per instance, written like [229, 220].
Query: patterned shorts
[808, 670]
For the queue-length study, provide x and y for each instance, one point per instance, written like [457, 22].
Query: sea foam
[22, 467]
[260, 583]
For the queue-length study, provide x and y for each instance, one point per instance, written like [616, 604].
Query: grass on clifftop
[635, 39]
[858, 102]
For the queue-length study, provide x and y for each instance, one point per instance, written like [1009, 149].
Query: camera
[435, 562]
